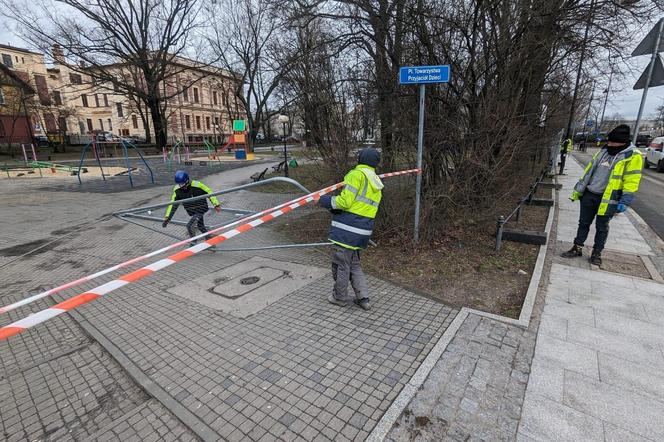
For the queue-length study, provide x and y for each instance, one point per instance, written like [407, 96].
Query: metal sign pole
[420, 148]
[645, 89]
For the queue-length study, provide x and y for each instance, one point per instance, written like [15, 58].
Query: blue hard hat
[181, 177]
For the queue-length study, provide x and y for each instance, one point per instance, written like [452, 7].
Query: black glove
[336, 211]
[165, 223]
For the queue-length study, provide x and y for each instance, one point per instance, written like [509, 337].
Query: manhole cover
[250, 280]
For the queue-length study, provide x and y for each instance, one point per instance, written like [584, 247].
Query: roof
[14, 48]
[20, 82]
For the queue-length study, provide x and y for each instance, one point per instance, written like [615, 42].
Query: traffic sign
[590, 123]
[647, 45]
[424, 74]
[656, 77]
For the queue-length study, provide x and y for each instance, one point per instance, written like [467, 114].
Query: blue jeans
[589, 206]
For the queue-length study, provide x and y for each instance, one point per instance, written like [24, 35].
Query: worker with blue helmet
[186, 188]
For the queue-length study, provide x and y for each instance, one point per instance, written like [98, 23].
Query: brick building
[68, 102]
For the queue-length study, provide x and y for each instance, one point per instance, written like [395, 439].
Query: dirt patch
[460, 268]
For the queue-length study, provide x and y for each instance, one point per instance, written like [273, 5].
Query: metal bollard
[499, 233]
[518, 213]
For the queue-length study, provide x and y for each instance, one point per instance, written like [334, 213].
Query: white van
[655, 154]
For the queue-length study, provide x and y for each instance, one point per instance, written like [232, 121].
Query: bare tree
[108, 39]
[245, 38]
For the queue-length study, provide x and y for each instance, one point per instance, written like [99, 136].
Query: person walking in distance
[353, 213]
[186, 188]
[608, 186]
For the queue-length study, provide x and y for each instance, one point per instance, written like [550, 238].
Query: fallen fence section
[88, 296]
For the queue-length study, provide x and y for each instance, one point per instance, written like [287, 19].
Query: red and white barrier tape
[83, 298]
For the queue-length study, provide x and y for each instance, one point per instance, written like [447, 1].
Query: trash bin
[240, 155]
[292, 163]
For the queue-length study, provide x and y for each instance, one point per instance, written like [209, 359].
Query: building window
[89, 121]
[75, 79]
[187, 121]
[110, 125]
[105, 100]
[101, 124]
[224, 100]
[195, 95]
[198, 122]
[57, 98]
[84, 99]
[96, 100]
[42, 90]
[119, 108]
[2, 97]
[134, 121]
[214, 97]
[22, 60]
[216, 121]
[207, 123]
[7, 60]
[185, 94]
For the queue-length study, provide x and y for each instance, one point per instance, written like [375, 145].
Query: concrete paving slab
[615, 344]
[643, 331]
[554, 326]
[558, 353]
[632, 376]
[626, 409]
[616, 434]
[546, 420]
[249, 286]
[570, 311]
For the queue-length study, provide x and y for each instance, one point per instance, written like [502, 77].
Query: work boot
[574, 252]
[335, 301]
[596, 258]
[364, 303]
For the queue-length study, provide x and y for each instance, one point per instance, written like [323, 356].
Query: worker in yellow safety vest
[354, 210]
[567, 146]
[608, 186]
[186, 188]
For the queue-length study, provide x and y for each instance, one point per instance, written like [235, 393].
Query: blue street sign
[590, 123]
[424, 74]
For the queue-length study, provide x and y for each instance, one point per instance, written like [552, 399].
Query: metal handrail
[502, 220]
[221, 192]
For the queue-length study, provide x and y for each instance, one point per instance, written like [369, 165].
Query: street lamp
[283, 119]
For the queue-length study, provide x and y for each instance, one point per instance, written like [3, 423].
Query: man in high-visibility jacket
[567, 146]
[186, 188]
[353, 216]
[608, 186]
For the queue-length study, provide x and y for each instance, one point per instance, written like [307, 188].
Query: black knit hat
[369, 156]
[620, 134]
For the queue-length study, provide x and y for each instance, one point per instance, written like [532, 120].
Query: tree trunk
[160, 136]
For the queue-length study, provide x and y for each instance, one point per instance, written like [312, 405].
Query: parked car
[41, 141]
[643, 140]
[134, 139]
[655, 154]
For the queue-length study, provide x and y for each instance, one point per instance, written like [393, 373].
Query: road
[649, 203]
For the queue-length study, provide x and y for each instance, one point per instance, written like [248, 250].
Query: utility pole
[563, 153]
[590, 104]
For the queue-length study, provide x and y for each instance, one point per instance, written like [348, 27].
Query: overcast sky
[622, 99]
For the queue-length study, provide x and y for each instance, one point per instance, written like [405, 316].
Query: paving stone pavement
[300, 369]
[475, 391]
[597, 370]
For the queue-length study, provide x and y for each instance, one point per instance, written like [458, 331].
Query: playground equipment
[95, 146]
[238, 141]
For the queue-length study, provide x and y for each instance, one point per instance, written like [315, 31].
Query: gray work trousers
[346, 268]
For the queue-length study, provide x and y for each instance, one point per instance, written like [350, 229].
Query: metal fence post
[499, 232]
[518, 213]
